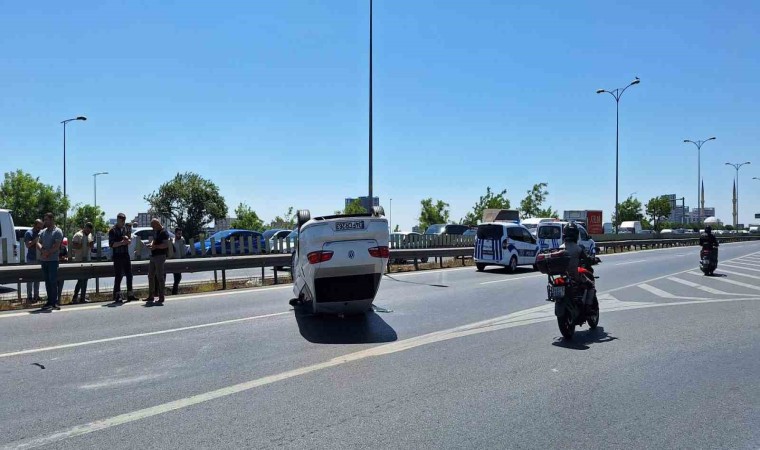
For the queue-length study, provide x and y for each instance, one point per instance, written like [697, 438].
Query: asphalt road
[461, 360]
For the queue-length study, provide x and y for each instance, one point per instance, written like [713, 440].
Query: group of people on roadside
[46, 244]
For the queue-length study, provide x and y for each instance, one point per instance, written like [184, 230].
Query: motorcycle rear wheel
[593, 318]
[566, 325]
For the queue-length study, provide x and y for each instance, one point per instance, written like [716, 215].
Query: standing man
[30, 242]
[81, 246]
[156, 272]
[179, 246]
[119, 240]
[48, 244]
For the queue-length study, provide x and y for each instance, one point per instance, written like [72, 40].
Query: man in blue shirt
[49, 243]
[30, 242]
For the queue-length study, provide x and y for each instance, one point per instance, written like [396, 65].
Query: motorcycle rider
[709, 242]
[573, 250]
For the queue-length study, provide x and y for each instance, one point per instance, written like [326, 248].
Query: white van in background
[8, 235]
[630, 227]
[532, 223]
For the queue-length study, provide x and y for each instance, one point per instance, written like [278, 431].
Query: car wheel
[303, 216]
[512, 264]
[480, 267]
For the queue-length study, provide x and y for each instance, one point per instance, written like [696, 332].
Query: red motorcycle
[574, 303]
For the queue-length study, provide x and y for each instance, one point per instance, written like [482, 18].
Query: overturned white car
[339, 261]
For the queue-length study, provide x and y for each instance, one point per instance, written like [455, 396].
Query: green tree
[88, 213]
[729, 227]
[247, 219]
[432, 213]
[355, 207]
[288, 221]
[190, 201]
[489, 201]
[658, 208]
[30, 199]
[630, 209]
[531, 205]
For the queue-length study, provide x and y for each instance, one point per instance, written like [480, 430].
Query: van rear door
[488, 242]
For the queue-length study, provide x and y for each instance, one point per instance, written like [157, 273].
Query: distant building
[223, 224]
[679, 212]
[143, 220]
[364, 202]
[697, 213]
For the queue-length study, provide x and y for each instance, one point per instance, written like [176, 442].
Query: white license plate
[558, 291]
[346, 226]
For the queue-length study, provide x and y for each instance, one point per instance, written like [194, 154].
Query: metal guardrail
[664, 242]
[13, 274]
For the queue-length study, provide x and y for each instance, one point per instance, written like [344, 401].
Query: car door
[531, 247]
[585, 240]
[515, 246]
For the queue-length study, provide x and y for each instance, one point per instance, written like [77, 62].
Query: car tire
[480, 267]
[303, 216]
[512, 265]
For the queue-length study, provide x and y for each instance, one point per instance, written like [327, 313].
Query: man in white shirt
[81, 246]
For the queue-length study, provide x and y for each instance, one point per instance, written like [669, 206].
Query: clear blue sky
[269, 100]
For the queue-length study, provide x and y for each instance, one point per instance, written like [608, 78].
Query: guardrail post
[275, 275]
[224, 279]
[416, 265]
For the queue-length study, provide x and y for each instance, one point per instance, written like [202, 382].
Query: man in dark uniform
[119, 240]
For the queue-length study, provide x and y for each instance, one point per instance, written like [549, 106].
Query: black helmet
[708, 229]
[571, 232]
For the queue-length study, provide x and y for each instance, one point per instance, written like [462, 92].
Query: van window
[549, 233]
[456, 229]
[584, 235]
[515, 234]
[527, 237]
[490, 232]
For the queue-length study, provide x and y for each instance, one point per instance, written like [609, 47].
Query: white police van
[504, 244]
[339, 261]
[550, 236]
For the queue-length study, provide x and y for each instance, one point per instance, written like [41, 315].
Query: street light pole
[699, 145]
[95, 186]
[616, 94]
[390, 215]
[64, 122]
[371, 199]
[737, 166]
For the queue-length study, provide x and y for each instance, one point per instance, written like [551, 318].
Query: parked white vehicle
[551, 235]
[339, 261]
[532, 223]
[630, 227]
[8, 235]
[504, 244]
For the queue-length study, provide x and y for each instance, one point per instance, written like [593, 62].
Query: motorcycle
[708, 259]
[574, 303]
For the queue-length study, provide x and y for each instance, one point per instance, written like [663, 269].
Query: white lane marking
[666, 249]
[513, 279]
[655, 291]
[631, 262]
[754, 277]
[737, 266]
[726, 280]
[537, 315]
[132, 336]
[701, 287]
[653, 279]
[119, 381]
[743, 263]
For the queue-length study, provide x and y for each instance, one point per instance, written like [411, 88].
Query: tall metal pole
[390, 215]
[700, 200]
[64, 122]
[95, 187]
[616, 94]
[371, 201]
[65, 210]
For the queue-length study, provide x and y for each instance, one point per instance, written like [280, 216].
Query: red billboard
[594, 222]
